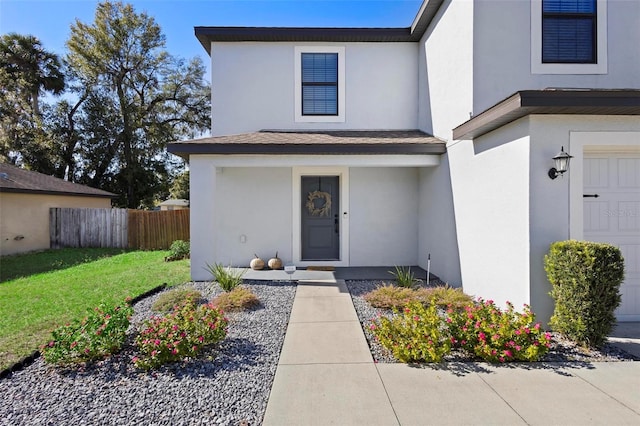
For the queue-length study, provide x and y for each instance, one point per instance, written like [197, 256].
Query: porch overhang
[354, 147]
[550, 101]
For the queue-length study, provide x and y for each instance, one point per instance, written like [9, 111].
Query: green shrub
[101, 333]
[237, 299]
[182, 333]
[585, 280]
[226, 276]
[404, 276]
[498, 336]
[179, 250]
[417, 334]
[172, 298]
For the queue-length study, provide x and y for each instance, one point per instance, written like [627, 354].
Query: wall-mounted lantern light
[562, 164]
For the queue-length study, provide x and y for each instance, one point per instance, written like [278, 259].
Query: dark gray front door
[320, 218]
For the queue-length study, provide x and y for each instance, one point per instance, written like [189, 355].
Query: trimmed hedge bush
[585, 278]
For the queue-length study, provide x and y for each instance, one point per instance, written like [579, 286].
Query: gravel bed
[561, 350]
[229, 385]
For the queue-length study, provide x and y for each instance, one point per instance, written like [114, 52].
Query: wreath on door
[325, 207]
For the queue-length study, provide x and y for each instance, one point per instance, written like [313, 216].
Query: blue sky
[50, 20]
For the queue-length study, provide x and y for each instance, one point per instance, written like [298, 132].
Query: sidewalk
[326, 375]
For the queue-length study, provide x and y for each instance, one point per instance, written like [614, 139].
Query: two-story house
[377, 146]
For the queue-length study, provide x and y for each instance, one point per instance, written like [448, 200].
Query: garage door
[612, 215]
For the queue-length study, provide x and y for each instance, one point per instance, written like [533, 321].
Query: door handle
[590, 195]
[335, 223]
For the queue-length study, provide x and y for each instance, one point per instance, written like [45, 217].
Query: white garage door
[612, 215]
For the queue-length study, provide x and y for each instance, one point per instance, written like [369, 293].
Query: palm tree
[36, 70]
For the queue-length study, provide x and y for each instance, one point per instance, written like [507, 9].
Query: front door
[319, 218]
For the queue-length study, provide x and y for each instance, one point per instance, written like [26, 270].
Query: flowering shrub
[417, 334]
[498, 336]
[182, 333]
[101, 333]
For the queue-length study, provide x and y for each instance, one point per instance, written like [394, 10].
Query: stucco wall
[502, 52]
[253, 87]
[27, 215]
[203, 215]
[437, 227]
[489, 179]
[551, 200]
[254, 214]
[384, 216]
[508, 211]
[445, 69]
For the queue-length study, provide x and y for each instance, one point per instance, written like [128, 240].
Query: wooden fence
[117, 228]
[157, 230]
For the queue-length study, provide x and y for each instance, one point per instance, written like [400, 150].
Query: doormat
[321, 268]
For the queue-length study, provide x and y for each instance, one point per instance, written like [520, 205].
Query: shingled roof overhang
[270, 142]
[425, 15]
[551, 101]
[17, 180]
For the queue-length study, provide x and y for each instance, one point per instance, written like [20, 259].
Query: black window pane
[568, 41]
[319, 83]
[569, 6]
[320, 100]
[569, 31]
[319, 67]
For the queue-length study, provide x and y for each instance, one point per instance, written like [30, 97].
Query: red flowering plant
[101, 333]
[179, 334]
[417, 334]
[496, 335]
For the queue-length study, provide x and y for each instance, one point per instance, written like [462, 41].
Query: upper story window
[569, 36]
[319, 84]
[569, 31]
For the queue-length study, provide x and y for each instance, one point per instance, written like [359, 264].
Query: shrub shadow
[463, 368]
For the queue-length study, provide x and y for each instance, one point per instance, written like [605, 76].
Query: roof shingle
[283, 142]
[15, 179]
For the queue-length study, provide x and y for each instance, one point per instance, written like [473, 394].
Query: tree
[148, 97]
[27, 71]
[180, 187]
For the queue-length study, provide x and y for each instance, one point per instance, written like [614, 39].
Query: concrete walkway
[326, 375]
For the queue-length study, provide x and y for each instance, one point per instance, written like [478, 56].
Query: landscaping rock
[228, 385]
[562, 350]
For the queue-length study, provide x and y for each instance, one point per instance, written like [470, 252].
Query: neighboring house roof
[281, 142]
[551, 101]
[15, 179]
[175, 202]
[427, 11]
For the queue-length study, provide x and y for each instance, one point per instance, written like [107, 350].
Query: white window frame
[537, 67]
[299, 118]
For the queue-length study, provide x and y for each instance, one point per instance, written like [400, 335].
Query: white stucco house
[377, 146]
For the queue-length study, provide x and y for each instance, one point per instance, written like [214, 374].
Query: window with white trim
[319, 83]
[568, 36]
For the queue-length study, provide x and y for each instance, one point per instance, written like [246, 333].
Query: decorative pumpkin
[275, 262]
[256, 263]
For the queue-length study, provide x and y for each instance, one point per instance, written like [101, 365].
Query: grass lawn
[43, 290]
